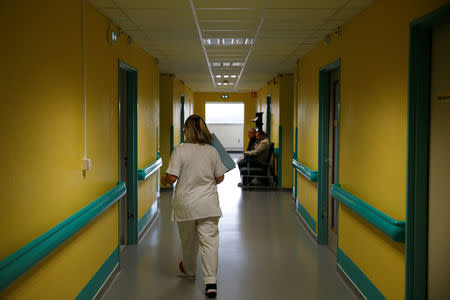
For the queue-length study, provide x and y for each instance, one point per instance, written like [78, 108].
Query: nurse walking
[197, 167]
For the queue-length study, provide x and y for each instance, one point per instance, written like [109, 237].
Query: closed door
[439, 176]
[333, 174]
[123, 152]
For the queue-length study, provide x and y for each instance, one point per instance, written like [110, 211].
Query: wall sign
[443, 98]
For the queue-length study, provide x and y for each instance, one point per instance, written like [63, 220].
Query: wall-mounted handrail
[149, 170]
[13, 266]
[305, 171]
[393, 228]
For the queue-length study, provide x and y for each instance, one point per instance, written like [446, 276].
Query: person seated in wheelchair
[256, 155]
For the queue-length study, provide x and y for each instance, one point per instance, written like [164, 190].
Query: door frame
[132, 115]
[419, 83]
[182, 119]
[324, 123]
[268, 117]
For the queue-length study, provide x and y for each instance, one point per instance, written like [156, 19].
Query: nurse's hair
[196, 131]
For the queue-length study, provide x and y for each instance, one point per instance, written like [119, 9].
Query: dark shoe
[240, 184]
[211, 290]
[182, 270]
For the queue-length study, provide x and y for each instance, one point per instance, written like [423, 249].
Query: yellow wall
[249, 106]
[41, 118]
[374, 80]
[166, 117]
[171, 89]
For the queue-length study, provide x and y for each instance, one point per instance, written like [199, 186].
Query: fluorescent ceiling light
[225, 76]
[237, 64]
[218, 76]
[225, 83]
[226, 64]
[233, 76]
[219, 83]
[227, 41]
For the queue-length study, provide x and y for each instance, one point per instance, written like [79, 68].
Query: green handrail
[393, 228]
[149, 170]
[18, 263]
[305, 171]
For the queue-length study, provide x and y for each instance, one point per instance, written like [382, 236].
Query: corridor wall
[280, 88]
[41, 126]
[249, 106]
[373, 51]
[171, 90]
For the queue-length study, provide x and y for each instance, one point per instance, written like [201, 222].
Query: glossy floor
[264, 253]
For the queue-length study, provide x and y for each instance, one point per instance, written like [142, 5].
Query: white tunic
[196, 167]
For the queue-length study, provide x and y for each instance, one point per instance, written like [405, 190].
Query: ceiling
[250, 41]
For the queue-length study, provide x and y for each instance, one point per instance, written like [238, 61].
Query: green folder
[227, 161]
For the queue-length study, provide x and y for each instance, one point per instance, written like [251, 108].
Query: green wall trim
[96, 282]
[323, 163]
[419, 81]
[13, 266]
[280, 154]
[294, 156]
[171, 139]
[148, 216]
[331, 66]
[393, 228]
[305, 171]
[367, 288]
[306, 216]
[268, 117]
[182, 120]
[143, 174]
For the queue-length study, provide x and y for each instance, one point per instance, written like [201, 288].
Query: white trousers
[203, 234]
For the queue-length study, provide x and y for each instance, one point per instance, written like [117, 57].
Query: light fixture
[112, 36]
[219, 83]
[226, 64]
[218, 76]
[225, 76]
[233, 76]
[227, 41]
[224, 96]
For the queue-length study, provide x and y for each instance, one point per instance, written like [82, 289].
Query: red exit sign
[253, 94]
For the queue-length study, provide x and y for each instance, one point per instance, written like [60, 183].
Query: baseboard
[147, 220]
[307, 218]
[107, 283]
[308, 230]
[104, 276]
[351, 285]
[357, 277]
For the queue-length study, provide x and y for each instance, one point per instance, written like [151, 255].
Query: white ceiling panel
[308, 3]
[230, 4]
[103, 3]
[155, 4]
[229, 14]
[235, 26]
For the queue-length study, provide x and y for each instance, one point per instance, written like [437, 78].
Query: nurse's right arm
[168, 179]
[219, 179]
